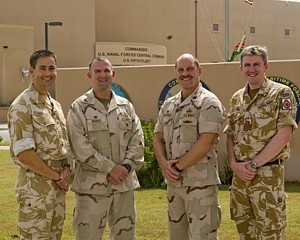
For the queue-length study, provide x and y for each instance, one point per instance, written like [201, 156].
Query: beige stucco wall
[153, 21]
[16, 45]
[170, 23]
[74, 42]
[144, 85]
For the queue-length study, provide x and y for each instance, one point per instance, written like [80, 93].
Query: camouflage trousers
[41, 207]
[194, 212]
[92, 212]
[258, 207]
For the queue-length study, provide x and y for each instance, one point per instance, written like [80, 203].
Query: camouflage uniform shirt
[100, 139]
[181, 124]
[37, 122]
[253, 123]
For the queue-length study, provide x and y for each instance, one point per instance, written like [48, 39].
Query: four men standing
[107, 143]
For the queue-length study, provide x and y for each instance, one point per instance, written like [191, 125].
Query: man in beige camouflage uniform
[108, 145]
[260, 124]
[39, 146]
[185, 145]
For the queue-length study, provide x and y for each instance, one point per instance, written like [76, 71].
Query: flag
[249, 1]
[238, 48]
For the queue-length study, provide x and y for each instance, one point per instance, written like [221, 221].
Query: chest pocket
[125, 125]
[96, 125]
[43, 122]
[236, 121]
[188, 130]
[98, 133]
[168, 128]
[266, 110]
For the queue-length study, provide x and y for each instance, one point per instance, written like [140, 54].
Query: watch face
[253, 165]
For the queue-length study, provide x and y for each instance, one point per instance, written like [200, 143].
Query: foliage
[226, 173]
[151, 210]
[150, 175]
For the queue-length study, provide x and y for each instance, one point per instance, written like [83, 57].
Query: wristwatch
[253, 165]
[176, 168]
[66, 165]
[127, 166]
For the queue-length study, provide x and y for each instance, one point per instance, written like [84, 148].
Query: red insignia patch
[286, 104]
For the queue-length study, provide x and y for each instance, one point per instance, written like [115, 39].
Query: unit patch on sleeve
[286, 103]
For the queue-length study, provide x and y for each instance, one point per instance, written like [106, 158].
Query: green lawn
[151, 210]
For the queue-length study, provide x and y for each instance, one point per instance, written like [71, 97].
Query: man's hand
[64, 180]
[243, 171]
[117, 175]
[169, 172]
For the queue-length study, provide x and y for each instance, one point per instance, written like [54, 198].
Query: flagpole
[196, 29]
[226, 15]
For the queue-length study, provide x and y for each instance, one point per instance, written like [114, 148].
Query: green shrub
[150, 175]
[226, 173]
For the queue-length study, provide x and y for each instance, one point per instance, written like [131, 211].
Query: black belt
[276, 162]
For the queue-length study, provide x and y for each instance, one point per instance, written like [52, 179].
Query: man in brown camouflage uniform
[39, 146]
[185, 144]
[108, 145]
[260, 124]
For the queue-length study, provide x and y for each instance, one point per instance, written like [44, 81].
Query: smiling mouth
[252, 75]
[47, 79]
[186, 79]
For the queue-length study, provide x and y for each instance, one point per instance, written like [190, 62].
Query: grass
[4, 143]
[151, 210]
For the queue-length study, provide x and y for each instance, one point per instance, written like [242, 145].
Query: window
[215, 27]
[252, 30]
[287, 32]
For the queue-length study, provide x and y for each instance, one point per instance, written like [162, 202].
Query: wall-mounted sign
[294, 88]
[132, 54]
[170, 89]
[119, 91]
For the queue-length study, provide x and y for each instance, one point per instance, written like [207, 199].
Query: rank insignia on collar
[286, 103]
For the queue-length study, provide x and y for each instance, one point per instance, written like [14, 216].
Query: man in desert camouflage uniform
[108, 145]
[39, 146]
[185, 145]
[260, 125]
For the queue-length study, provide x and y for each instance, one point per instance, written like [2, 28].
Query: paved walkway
[4, 134]
[4, 147]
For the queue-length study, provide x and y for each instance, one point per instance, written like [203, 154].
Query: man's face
[101, 74]
[254, 69]
[44, 74]
[187, 73]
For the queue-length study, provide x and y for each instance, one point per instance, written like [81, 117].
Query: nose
[47, 71]
[185, 72]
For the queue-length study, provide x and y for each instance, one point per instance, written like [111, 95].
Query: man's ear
[31, 70]
[89, 75]
[266, 67]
